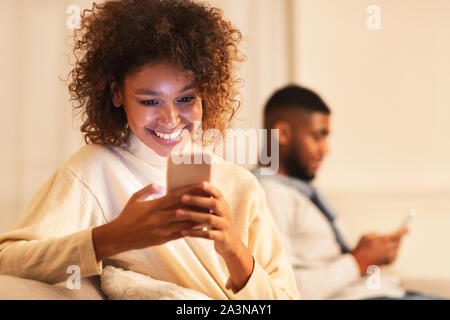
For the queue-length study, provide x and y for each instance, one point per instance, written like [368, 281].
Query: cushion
[15, 288]
[118, 284]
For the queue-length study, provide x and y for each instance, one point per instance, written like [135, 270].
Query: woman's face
[161, 105]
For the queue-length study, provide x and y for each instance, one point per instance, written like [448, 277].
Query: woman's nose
[169, 116]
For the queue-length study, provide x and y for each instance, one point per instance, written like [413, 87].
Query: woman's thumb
[151, 192]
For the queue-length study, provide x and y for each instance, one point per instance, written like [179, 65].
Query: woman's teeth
[169, 137]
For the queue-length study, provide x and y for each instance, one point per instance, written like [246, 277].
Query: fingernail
[185, 198]
[180, 213]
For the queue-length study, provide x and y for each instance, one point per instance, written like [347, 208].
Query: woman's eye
[149, 102]
[186, 99]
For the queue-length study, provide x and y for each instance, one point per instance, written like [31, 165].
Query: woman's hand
[227, 241]
[143, 222]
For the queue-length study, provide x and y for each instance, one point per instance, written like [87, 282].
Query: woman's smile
[169, 137]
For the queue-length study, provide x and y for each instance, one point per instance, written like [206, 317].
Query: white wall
[266, 45]
[388, 89]
[37, 124]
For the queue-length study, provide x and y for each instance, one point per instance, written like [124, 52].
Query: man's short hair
[292, 96]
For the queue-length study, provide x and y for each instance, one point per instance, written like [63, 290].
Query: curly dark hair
[118, 37]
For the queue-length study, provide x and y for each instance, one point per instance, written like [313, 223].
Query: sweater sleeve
[272, 277]
[55, 232]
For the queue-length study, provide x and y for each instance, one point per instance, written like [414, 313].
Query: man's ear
[284, 133]
[116, 94]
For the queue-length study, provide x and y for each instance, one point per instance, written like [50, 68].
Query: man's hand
[374, 249]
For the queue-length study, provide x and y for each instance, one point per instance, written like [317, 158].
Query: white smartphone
[188, 172]
[183, 172]
[407, 220]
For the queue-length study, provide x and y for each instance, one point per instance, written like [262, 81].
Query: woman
[146, 72]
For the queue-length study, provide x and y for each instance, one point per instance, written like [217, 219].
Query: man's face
[308, 144]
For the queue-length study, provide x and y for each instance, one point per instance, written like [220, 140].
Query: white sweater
[91, 189]
[320, 269]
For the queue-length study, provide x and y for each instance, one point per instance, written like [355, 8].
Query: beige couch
[13, 288]
[439, 287]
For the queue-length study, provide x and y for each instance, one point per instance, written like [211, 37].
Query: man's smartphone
[407, 220]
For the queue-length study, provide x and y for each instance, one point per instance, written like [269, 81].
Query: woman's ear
[284, 133]
[116, 94]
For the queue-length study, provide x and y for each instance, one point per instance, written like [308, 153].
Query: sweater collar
[135, 146]
[139, 149]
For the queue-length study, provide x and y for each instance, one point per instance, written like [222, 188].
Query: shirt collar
[303, 186]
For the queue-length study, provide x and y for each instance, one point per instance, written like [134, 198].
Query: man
[324, 265]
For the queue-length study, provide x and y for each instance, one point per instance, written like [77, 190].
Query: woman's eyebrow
[188, 87]
[156, 93]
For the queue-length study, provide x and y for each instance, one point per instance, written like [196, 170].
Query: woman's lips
[165, 139]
